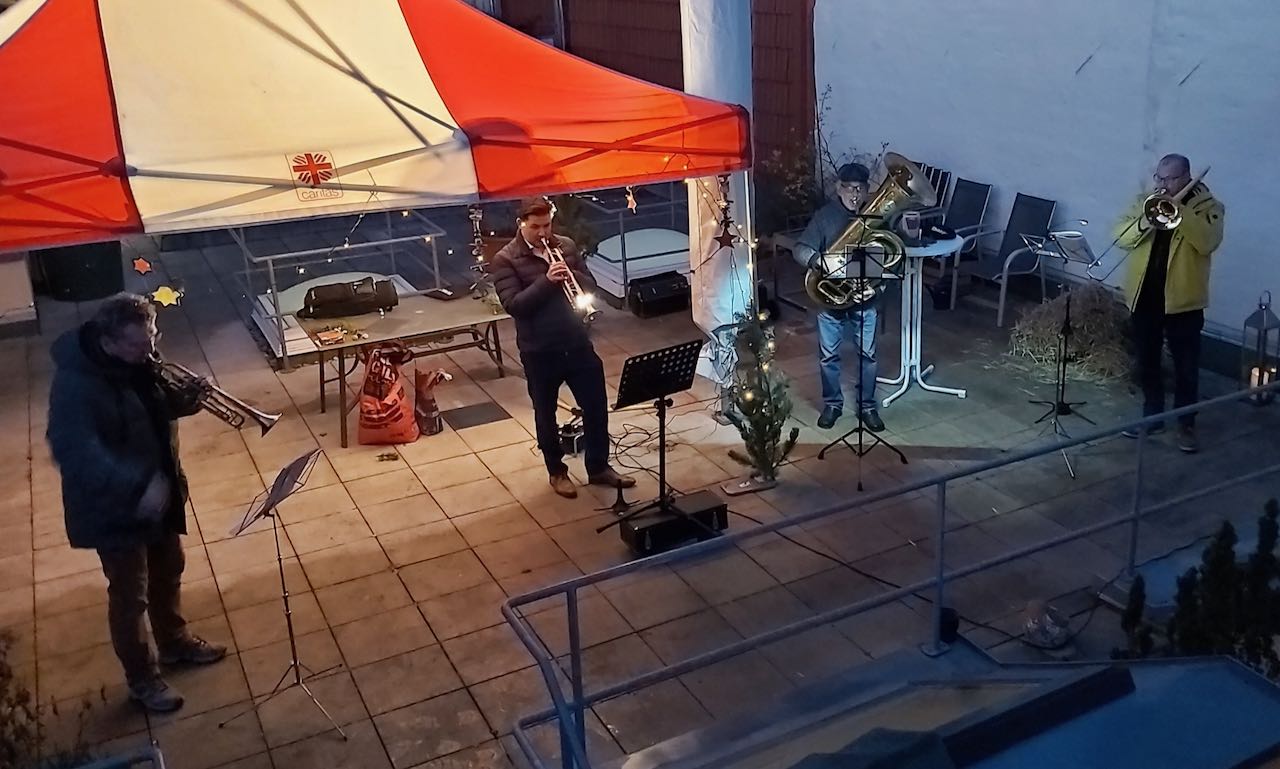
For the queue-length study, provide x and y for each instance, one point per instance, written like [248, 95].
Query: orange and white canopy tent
[128, 116]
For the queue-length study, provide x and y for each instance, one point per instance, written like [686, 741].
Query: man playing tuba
[859, 323]
[1167, 289]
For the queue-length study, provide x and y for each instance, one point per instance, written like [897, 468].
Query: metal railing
[569, 710]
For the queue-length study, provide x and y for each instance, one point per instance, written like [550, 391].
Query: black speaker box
[658, 294]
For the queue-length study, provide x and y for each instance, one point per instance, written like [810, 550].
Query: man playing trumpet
[1167, 290]
[113, 432]
[555, 349]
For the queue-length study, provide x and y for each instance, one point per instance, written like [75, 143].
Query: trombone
[210, 397]
[580, 300]
[1162, 211]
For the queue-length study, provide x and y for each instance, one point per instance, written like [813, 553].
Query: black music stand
[656, 376]
[1060, 407]
[292, 478]
[865, 267]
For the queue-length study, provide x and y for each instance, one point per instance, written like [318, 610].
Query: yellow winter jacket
[1186, 285]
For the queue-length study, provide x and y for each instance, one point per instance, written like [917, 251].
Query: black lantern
[1260, 350]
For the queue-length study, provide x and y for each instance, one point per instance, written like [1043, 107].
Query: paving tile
[404, 513]
[444, 575]
[495, 524]
[508, 698]
[431, 729]
[60, 562]
[292, 716]
[454, 471]
[312, 503]
[493, 435]
[405, 679]
[520, 554]
[652, 599]
[748, 682]
[205, 688]
[656, 713]
[63, 676]
[344, 562]
[362, 597]
[463, 611]
[433, 448]
[329, 531]
[384, 487]
[386, 635]
[518, 456]
[264, 623]
[253, 549]
[361, 750]
[198, 742]
[266, 666]
[422, 542]
[487, 654]
[72, 631]
[469, 497]
[490, 755]
[259, 584]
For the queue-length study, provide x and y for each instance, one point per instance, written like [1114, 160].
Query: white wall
[1075, 102]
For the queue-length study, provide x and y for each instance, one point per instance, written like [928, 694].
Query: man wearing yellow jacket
[1167, 289]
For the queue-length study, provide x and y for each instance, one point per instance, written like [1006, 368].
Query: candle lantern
[1260, 350]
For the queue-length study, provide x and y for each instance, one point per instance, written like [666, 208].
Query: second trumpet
[580, 300]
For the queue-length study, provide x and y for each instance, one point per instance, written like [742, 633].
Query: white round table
[911, 370]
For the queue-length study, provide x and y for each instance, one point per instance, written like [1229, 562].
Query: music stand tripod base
[288, 481]
[654, 377]
[1060, 407]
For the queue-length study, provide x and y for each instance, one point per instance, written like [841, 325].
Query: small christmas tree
[760, 396]
[1220, 607]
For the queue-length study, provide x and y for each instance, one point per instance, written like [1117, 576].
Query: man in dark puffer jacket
[554, 346]
[113, 433]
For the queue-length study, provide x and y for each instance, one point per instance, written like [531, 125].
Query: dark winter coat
[111, 427]
[545, 321]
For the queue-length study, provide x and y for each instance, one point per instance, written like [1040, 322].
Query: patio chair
[964, 213]
[1030, 216]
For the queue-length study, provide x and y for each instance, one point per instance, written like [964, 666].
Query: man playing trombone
[534, 276]
[1167, 287]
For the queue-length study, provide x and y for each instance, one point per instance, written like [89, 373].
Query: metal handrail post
[579, 724]
[1131, 564]
[936, 646]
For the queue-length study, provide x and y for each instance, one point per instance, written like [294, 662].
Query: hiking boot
[192, 650]
[828, 417]
[872, 421]
[563, 486]
[1152, 429]
[1187, 441]
[609, 477]
[155, 695]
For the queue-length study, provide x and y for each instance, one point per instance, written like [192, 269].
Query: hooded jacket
[108, 443]
[1186, 286]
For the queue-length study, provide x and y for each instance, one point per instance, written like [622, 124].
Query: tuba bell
[904, 187]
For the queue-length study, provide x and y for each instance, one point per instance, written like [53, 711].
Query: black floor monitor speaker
[658, 294]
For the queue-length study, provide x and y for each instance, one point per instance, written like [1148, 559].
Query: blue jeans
[860, 328]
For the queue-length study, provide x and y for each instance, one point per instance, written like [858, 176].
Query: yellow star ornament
[166, 296]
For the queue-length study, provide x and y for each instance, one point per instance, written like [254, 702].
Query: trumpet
[580, 300]
[211, 398]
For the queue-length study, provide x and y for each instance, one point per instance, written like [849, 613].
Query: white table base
[911, 370]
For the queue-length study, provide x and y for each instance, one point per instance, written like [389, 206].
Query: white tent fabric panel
[262, 96]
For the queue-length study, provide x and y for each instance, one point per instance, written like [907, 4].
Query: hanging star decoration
[726, 238]
[141, 266]
[166, 296]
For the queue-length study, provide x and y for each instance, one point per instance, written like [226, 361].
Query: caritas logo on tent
[310, 170]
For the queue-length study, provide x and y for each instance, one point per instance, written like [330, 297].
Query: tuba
[904, 187]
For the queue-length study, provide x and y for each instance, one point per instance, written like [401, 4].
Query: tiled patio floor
[398, 558]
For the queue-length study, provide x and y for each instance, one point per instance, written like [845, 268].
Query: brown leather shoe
[563, 486]
[609, 477]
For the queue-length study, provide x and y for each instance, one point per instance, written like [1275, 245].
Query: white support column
[716, 36]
